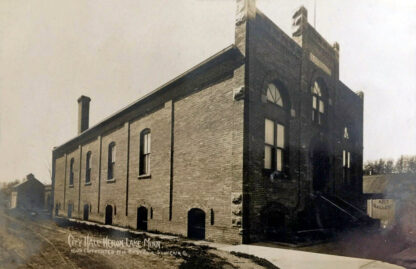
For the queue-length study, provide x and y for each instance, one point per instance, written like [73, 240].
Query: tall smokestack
[83, 113]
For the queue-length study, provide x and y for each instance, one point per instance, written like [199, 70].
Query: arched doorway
[320, 166]
[196, 223]
[142, 218]
[86, 211]
[108, 215]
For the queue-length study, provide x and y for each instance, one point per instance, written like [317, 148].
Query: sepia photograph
[276, 134]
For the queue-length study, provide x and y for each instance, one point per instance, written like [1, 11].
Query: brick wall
[276, 58]
[203, 171]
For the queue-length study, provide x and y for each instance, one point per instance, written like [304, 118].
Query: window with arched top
[145, 147]
[274, 95]
[346, 135]
[346, 157]
[71, 172]
[88, 167]
[111, 160]
[318, 105]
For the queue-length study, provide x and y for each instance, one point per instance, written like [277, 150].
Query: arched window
[346, 158]
[145, 147]
[274, 95]
[88, 168]
[71, 172]
[318, 105]
[111, 160]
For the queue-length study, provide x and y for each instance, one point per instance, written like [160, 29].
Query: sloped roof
[28, 178]
[229, 52]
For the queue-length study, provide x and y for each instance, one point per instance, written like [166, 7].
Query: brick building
[245, 145]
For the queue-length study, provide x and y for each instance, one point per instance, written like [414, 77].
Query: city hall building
[256, 142]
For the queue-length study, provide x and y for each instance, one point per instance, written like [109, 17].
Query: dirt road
[28, 243]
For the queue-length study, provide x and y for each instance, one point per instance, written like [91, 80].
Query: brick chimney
[83, 113]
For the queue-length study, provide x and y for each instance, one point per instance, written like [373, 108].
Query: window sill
[71, 186]
[144, 176]
[276, 175]
[88, 184]
[111, 180]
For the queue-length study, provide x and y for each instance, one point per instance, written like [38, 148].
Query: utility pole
[314, 14]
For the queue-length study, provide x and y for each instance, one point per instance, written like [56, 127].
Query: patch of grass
[205, 260]
[260, 261]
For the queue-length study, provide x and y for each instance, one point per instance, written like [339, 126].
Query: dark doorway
[196, 223]
[86, 211]
[109, 215]
[273, 221]
[69, 210]
[320, 164]
[142, 218]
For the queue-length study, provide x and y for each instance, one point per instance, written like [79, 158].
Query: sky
[52, 52]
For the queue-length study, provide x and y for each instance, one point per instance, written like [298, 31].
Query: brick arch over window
[276, 92]
[319, 100]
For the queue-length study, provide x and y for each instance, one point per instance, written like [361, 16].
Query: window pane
[316, 89]
[321, 106]
[147, 163]
[88, 160]
[113, 153]
[343, 158]
[269, 132]
[267, 157]
[273, 95]
[349, 160]
[277, 96]
[148, 143]
[346, 136]
[145, 144]
[280, 141]
[270, 96]
[279, 160]
[314, 102]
